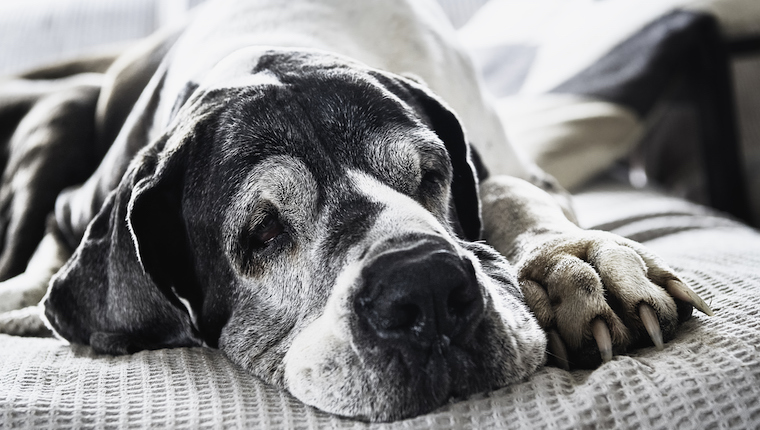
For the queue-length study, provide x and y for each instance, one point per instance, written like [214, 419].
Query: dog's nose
[420, 297]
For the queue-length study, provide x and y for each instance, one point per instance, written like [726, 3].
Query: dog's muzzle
[419, 298]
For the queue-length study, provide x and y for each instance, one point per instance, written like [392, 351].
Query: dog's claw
[680, 291]
[649, 319]
[603, 339]
[557, 350]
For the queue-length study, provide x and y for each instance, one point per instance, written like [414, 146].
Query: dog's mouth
[416, 318]
[402, 342]
[386, 348]
[381, 384]
[419, 382]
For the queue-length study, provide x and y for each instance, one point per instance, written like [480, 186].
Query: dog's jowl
[295, 186]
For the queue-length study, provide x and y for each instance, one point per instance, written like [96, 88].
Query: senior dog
[292, 183]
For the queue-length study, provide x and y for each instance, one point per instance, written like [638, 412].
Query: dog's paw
[597, 294]
[24, 322]
[26, 289]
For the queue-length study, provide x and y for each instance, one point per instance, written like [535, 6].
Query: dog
[293, 183]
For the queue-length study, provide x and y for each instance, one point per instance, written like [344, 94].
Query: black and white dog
[291, 182]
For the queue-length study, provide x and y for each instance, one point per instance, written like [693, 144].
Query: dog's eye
[265, 237]
[266, 231]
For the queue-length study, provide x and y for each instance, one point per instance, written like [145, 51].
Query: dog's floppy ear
[123, 288]
[464, 188]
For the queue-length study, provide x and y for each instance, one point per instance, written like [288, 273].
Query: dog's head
[316, 220]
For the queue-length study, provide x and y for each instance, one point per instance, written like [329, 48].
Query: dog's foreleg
[513, 207]
[595, 293]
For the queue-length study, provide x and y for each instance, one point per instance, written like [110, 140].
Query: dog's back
[411, 38]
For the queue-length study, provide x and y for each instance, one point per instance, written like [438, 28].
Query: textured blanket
[708, 377]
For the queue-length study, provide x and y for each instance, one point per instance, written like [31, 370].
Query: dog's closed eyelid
[430, 179]
[263, 227]
[267, 230]
[435, 162]
[265, 236]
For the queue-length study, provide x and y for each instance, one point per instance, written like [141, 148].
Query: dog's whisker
[556, 348]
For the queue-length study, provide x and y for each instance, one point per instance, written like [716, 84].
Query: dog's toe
[597, 295]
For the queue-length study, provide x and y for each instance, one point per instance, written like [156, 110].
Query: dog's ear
[126, 285]
[465, 205]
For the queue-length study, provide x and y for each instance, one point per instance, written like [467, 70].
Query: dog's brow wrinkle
[349, 223]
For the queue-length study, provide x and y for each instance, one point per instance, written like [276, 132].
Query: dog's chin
[328, 368]
[325, 371]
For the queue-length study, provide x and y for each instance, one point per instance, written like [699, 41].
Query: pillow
[577, 81]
